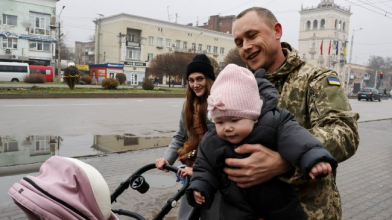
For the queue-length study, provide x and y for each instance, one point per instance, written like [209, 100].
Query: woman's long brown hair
[189, 108]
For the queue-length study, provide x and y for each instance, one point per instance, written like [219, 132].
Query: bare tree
[171, 64]
[91, 38]
[234, 57]
[377, 63]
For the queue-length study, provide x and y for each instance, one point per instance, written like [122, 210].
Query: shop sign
[135, 63]
[82, 67]
[28, 37]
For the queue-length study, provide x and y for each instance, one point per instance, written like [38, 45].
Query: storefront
[135, 72]
[83, 69]
[106, 70]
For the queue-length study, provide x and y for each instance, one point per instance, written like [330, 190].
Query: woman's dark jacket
[276, 129]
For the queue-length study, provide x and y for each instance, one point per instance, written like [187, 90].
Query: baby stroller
[68, 188]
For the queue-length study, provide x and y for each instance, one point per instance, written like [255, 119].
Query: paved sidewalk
[364, 181]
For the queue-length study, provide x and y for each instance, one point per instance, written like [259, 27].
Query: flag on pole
[329, 48]
[321, 47]
[337, 47]
[345, 48]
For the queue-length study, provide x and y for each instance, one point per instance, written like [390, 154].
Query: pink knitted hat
[235, 93]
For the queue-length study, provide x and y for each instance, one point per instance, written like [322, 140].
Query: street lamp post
[59, 50]
[351, 56]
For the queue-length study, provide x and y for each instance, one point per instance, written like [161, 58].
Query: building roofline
[166, 23]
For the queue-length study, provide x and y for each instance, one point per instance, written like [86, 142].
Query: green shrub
[81, 82]
[86, 79]
[110, 83]
[34, 78]
[121, 77]
[147, 84]
[71, 71]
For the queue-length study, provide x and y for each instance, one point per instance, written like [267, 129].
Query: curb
[89, 95]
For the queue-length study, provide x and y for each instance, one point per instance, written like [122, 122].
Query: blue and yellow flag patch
[333, 81]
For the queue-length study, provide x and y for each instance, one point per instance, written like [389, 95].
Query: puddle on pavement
[23, 155]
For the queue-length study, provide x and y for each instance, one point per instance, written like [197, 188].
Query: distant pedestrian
[385, 92]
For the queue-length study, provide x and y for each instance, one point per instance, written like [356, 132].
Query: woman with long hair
[193, 125]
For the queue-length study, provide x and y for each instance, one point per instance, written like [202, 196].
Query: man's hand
[262, 165]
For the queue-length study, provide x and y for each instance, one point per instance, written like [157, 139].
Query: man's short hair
[265, 14]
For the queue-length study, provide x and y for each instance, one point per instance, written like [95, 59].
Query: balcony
[132, 44]
[366, 77]
[333, 60]
[321, 59]
[312, 50]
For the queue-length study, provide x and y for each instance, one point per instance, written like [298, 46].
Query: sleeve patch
[333, 81]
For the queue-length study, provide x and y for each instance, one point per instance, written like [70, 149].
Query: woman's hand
[160, 162]
[187, 171]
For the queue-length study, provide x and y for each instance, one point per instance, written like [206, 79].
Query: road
[141, 117]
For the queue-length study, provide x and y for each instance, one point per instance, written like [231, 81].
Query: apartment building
[323, 36]
[27, 31]
[84, 53]
[222, 24]
[135, 41]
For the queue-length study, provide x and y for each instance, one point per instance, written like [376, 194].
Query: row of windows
[14, 69]
[339, 25]
[177, 45]
[39, 23]
[33, 45]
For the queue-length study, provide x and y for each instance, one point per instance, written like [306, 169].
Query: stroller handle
[171, 203]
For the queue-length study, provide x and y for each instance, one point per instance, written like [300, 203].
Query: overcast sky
[374, 16]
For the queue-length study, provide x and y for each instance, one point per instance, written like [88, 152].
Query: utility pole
[120, 41]
[351, 56]
[375, 79]
[59, 49]
[98, 25]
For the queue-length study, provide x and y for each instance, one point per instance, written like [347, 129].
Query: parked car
[369, 94]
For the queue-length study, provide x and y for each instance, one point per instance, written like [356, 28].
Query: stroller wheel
[139, 183]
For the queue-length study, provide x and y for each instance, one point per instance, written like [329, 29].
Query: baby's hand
[198, 197]
[320, 168]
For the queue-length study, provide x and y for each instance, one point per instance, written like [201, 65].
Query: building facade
[27, 31]
[222, 24]
[84, 53]
[135, 41]
[323, 36]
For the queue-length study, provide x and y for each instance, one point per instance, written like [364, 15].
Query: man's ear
[278, 30]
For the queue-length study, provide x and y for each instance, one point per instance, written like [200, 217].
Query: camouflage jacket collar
[293, 61]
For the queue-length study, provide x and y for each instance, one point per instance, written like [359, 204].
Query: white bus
[13, 72]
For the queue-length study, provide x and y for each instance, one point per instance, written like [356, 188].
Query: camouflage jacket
[314, 95]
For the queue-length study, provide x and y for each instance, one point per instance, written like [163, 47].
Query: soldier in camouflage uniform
[313, 94]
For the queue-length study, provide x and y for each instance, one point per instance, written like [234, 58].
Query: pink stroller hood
[66, 188]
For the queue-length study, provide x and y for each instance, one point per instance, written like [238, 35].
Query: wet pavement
[364, 181]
